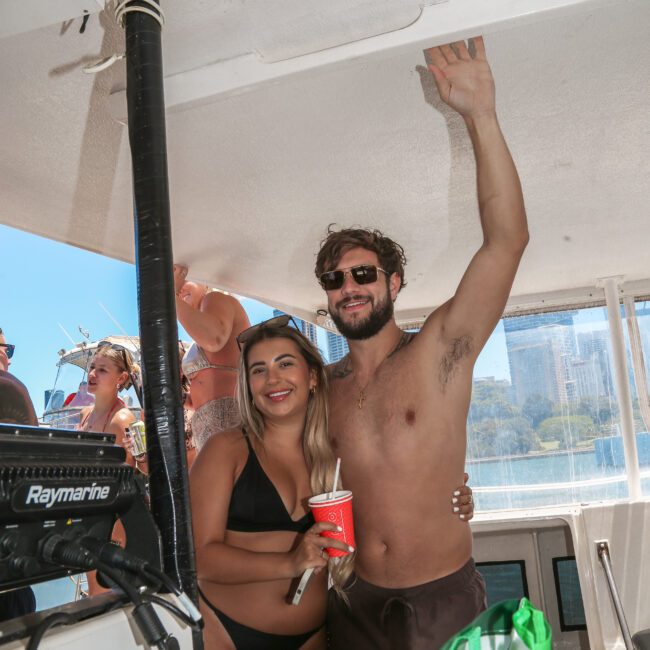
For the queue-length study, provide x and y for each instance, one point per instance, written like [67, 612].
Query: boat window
[544, 413]
[569, 595]
[504, 580]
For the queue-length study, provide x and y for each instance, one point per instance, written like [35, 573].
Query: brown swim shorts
[411, 618]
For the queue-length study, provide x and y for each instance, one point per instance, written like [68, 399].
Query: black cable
[153, 573]
[116, 556]
[57, 550]
[59, 618]
[176, 611]
[132, 593]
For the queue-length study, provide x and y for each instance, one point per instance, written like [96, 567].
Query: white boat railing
[79, 581]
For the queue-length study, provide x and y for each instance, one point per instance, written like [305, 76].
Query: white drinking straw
[336, 478]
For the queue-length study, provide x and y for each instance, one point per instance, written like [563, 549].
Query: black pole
[157, 313]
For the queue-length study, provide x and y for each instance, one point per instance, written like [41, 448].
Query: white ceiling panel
[259, 165]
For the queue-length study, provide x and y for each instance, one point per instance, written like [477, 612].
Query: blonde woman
[111, 370]
[249, 488]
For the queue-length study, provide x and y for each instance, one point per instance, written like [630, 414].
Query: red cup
[335, 508]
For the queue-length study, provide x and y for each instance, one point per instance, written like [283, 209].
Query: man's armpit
[458, 349]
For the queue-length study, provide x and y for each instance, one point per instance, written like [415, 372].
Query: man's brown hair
[338, 242]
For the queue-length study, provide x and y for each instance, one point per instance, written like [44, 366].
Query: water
[560, 468]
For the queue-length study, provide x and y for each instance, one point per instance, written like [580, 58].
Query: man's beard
[361, 330]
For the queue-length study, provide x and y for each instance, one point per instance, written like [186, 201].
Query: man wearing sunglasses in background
[15, 408]
[6, 352]
[399, 402]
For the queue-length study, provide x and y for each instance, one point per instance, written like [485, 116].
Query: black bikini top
[256, 506]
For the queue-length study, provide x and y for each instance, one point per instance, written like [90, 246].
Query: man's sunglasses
[362, 274]
[274, 323]
[9, 349]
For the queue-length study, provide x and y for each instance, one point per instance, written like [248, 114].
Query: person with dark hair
[6, 352]
[399, 401]
[16, 407]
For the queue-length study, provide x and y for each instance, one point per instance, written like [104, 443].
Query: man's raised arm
[465, 83]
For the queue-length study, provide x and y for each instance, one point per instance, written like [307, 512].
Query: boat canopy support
[623, 393]
[157, 314]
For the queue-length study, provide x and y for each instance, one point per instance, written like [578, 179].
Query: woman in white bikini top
[213, 320]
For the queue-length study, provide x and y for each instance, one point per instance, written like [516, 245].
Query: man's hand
[464, 83]
[180, 277]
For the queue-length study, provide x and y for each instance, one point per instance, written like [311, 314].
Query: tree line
[498, 427]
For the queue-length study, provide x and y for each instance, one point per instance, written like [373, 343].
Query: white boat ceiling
[285, 116]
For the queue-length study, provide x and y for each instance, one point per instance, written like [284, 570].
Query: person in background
[188, 410]
[81, 398]
[213, 320]
[6, 352]
[112, 370]
[16, 407]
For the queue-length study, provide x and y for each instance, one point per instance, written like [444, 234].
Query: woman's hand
[462, 501]
[310, 552]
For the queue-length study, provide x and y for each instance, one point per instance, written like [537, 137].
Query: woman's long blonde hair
[319, 456]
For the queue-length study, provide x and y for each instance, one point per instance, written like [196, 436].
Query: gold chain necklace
[404, 337]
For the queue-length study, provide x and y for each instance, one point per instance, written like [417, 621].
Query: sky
[51, 289]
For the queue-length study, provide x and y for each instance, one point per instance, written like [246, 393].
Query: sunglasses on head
[117, 347]
[361, 274]
[9, 349]
[274, 323]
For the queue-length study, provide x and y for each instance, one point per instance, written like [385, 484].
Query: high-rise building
[308, 329]
[594, 348]
[588, 378]
[337, 347]
[541, 348]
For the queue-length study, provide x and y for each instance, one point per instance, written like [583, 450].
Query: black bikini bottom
[247, 638]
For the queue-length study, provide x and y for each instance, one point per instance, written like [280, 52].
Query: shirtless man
[399, 402]
[213, 320]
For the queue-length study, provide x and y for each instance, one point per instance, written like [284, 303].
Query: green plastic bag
[508, 625]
